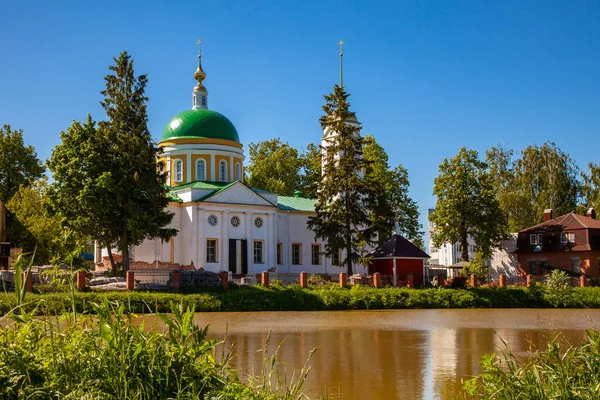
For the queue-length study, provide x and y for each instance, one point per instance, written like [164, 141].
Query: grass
[556, 373]
[109, 357]
[317, 298]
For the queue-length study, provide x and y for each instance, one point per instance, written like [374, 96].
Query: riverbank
[294, 298]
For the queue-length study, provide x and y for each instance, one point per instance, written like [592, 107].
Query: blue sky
[426, 77]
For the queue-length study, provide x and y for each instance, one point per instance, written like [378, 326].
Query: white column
[273, 243]
[267, 248]
[224, 239]
[231, 169]
[168, 166]
[201, 245]
[188, 157]
[250, 247]
[212, 167]
[287, 244]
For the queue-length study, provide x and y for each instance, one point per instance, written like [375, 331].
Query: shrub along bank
[294, 298]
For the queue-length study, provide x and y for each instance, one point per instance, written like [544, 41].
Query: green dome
[200, 123]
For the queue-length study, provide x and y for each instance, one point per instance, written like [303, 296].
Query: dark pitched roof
[397, 246]
[568, 221]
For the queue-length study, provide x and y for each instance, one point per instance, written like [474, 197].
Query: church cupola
[200, 94]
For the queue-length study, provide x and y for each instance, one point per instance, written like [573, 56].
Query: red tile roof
[570, 221]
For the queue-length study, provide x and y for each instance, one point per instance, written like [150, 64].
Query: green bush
[315, 298]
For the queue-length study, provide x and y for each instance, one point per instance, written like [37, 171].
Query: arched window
[238, 172]
[223, 171]
[178, 166]
[200, 170]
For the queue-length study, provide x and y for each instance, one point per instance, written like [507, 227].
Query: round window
[235, 221]
[258, 222]
[212, 220]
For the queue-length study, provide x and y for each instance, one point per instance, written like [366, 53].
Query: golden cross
[341, 44]
[199, 42]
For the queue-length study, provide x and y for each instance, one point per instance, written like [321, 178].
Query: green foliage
[467, 205]
[478, 266]
[107, 185]
[341, 219]
[315, 298]
[19, 164]
[112, 356]
[557, 288]
[53, 243]
[389, 201]
[311, 173]
[274, 166]
[542, 177]
[555, 373]
[590, 187]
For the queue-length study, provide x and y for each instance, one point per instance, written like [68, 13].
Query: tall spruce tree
[341, 217]
[467, 205]
[109, 174]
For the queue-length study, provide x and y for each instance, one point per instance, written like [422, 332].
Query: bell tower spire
[200, 94]
[341, 43]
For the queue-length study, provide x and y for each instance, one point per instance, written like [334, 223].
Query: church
[222, 223]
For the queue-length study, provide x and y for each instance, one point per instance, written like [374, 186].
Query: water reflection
[404, 354]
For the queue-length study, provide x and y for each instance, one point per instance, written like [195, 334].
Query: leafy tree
[389, 202]
[108, 185]
[19, 164]
[479, 266]
[467, 205]
[590, 188]
[311, 161]
[52, 242]
[274, 166]
[342, 220]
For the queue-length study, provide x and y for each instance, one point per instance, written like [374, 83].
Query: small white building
[448, 253]
[222, 224]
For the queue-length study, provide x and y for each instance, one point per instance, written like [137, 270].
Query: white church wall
[239, 194]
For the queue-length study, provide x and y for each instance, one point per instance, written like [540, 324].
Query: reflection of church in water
[223, 224]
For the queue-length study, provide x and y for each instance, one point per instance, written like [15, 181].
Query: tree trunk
[349, 258]
[110, 257]
[125, 249]
[464, 247]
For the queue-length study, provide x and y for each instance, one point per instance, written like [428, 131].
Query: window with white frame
[178, 167]
[336, 257]
[238, 172]
[211, 250]
[532, 239]
[296, 253]
[200, 169]
[567, 237]
[315, 254]
[223, 171]
[258, 252]
[540, 238]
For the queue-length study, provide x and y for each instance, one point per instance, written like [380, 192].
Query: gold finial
[341, 56]
[199, 75]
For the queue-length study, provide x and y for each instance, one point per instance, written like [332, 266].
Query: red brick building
[570, 242]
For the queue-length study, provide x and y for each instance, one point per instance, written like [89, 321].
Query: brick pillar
[264, 279]
[225, 280]
[28, 283]
[473, 280]
[410, 280]
[502, 280]
[528, 280]
[377, 280]
[80, 279]
[343, 279]
[441, 281]
[176, 280]
[129, 280]
[582, 281]
[304, 279]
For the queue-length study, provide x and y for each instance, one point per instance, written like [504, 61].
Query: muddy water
[400, 354]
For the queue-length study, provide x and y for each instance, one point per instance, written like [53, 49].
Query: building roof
[201, 185]
[289, 203]
[397, 246]
[570, 221]
[200, 123]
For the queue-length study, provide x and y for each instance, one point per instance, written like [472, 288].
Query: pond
[399, 354]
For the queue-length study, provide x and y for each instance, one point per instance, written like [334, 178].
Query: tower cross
[341, 56]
